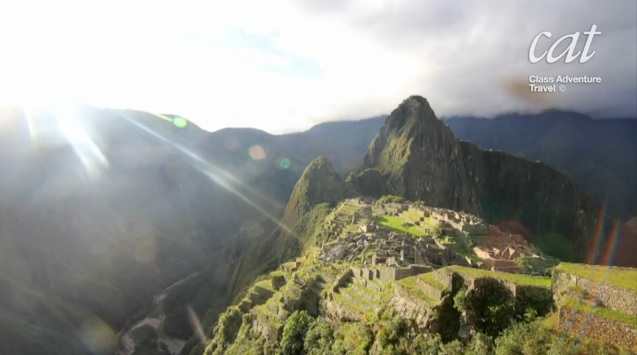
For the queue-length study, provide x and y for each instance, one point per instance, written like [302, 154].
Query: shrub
[454, 348]
[426, 344]
[319, 338]
[481, 344]
[459, 300]
[294, 331]
[493, 305]
[352, 338]
[524, 338]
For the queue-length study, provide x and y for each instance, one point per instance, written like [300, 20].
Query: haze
[286, 65]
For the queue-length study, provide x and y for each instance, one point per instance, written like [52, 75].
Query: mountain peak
[319, 183]
[413, 110]
[419, 158]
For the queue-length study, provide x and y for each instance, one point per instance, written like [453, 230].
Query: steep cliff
[420, 159]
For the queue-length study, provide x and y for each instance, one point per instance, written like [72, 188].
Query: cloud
[285, 65]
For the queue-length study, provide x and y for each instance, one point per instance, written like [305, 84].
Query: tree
[319, 338]
[294, 331]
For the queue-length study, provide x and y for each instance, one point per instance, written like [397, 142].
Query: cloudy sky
[285, 65]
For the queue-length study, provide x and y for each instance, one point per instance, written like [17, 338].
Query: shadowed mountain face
[598, 154]
[419, 158]
[102, 209]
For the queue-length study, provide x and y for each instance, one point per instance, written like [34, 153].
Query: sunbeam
[216, 174]
[85, 148]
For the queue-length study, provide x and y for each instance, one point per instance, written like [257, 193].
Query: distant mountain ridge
[598, 153]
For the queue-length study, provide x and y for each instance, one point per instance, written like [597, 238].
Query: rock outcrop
[420, 159]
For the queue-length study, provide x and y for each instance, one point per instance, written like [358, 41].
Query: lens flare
[257, 152]
[284, 163]
[180, 122]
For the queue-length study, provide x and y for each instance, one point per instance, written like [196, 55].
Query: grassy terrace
[616, 276]
[429, 278]
[513, 278]
[266, 285]
[414, 216]
[409, 284]
[600, 311]
[338, 297]
[370, 294]
[398, 224]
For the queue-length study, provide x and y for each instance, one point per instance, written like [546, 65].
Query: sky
[285, 65]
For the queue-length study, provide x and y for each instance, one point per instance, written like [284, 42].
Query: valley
[143, 254]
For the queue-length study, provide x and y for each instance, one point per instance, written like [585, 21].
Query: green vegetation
[492, 304]
[429, 278]
[294, 331]
[471, 255]
[616, 276]
[555, 245]
[605, 312]
[399, 225]
[319, 338]
[517, 279]
[409, 284]
[503, 324]
[537, 266]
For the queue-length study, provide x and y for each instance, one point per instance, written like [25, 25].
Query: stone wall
[342, 280]
[430, 290]
[394, 274]
[620, 299]
[410, 307]
[444, 277]
[268, 328]
[593, 326]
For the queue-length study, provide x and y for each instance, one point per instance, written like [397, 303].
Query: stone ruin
[389, 251]
[499, 250]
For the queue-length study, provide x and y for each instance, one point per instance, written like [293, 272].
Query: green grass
[266, 285]
[414, 216]
[371, 294]
[616, 276]
[398, 224]
[429, 278]
[352, 294]
[409, 284]
[447, 240]
[272, 319]
[605, 312]
[338, 297]
[517, 279]
[469, 255]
